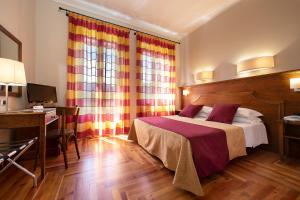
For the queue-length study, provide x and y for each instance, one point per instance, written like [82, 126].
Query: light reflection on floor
[104, 139]
[122, 137]
[110, 158]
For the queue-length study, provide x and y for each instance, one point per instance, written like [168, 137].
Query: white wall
[51, 47]
[250, 28]
[18, 17]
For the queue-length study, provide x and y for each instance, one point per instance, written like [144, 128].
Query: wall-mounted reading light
[295, 84]
[185, 92]
[205, 75]
[255, 64]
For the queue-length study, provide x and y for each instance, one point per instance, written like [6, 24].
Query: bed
[168, 139]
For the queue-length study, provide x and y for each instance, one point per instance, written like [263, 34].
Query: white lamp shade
[255, 64]
[205, 75]
[12, 72]
[7, 71]
[295, 83]
[20, 77]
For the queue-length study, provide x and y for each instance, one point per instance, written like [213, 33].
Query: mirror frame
[18, 93]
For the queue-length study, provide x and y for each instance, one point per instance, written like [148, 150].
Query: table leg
[42, 149]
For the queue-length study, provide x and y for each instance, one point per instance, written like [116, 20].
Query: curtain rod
[135, 30]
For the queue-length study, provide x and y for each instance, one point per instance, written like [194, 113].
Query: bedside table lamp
[12, 74]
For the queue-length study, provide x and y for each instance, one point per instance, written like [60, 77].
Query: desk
[26, 119]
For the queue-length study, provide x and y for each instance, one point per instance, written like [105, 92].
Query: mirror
[11, 48]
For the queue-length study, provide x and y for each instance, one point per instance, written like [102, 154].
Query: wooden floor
[112, 168]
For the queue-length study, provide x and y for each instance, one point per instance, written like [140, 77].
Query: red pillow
[190, 110]
[223, 113]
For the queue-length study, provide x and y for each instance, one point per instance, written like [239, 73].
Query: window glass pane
[108, 66]
[91, 65]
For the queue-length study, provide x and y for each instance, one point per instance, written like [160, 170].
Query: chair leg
[76, 147]
[67, 142]
[63, 145]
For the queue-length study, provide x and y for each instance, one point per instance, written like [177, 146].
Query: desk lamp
[12, 73]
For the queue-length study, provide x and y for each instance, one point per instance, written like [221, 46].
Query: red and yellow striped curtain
[155, 76]
[98, 75]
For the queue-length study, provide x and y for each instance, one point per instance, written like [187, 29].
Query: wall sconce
[205, 75]
[295, 84]
[255, 64]
[185, 92]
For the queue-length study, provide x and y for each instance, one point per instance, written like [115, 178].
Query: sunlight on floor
[110, 139]
[104, 139]
[122, 137]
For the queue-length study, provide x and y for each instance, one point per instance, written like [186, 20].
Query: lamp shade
[205, 75]
[12, 72]
[255, 64]
[295, 84]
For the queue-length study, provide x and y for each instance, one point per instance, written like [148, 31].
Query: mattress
[255, 133]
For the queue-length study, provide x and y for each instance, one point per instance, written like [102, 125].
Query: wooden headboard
[272, 111]
[274, 86]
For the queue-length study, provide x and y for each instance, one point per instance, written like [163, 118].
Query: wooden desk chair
[63, 134]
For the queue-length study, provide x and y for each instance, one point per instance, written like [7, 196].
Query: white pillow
[202, 115]
[204, 112]
[247, 113]
[206, 109]
[252, 120]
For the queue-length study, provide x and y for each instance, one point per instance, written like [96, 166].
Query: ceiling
[170, 18]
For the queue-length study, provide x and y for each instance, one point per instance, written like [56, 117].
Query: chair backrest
[67, 111]
[63, 112]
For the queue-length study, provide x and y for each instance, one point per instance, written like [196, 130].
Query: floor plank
[112, 168]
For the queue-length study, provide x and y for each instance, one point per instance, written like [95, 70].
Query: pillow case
[190, 110]
[206, 109]
[202, 115]
[204, 112]
[252, 120]
[223, 113]
[247, 113]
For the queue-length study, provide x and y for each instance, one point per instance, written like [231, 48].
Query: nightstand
[291, 137]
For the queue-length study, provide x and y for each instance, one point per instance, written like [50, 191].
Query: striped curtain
[98, 75]
[155, 76]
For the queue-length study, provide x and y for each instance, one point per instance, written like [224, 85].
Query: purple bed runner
[209, 145]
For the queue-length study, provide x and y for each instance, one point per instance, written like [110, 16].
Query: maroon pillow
[223, 113]
[190, 110]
